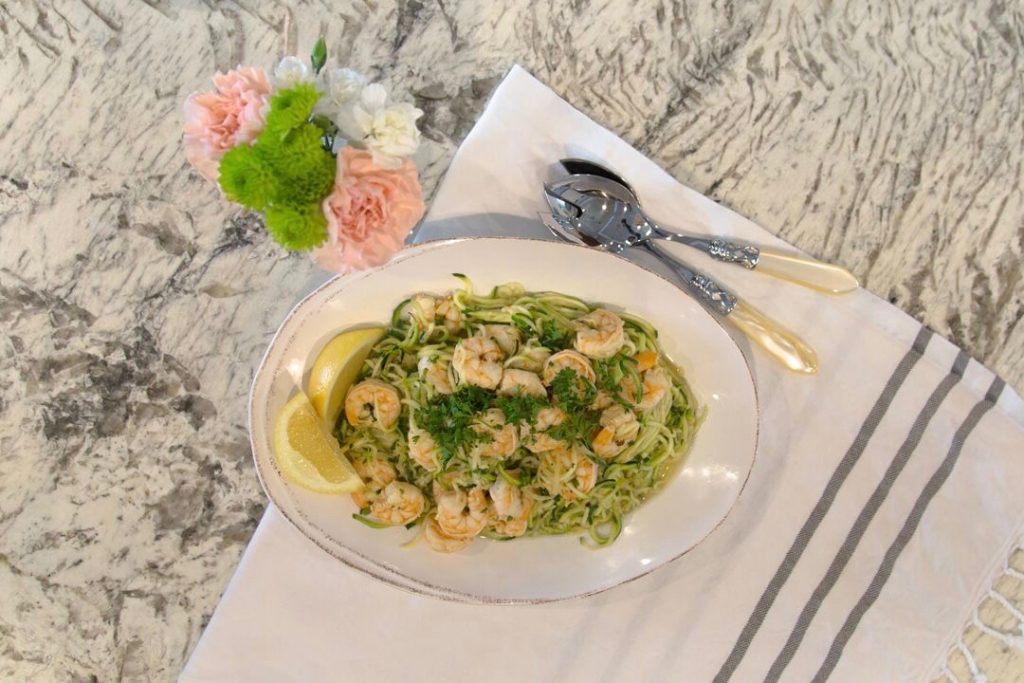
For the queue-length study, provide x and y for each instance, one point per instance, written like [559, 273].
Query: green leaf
[319, 55]
[327, 126]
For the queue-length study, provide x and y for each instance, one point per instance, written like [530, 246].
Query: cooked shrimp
[656, 386]
[435, 372]
[529, 358]
[505, 498]
[451, 314]
[423, 449]
[584, 476]
[537, 441]
[372, 403]
[601, 401]
[619, 428]
[628, 390]
[440, 541]
[504, 438]
[515, 526]
[423, 310]
[462, 515]
[399, 503]
[516, 519]
[478, 361]
[521, 382]
[599, 334]
[568, 472]
[376, 474]
[568, 359]
[506, 336]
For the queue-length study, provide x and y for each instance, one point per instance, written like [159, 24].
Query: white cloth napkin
[886, 492]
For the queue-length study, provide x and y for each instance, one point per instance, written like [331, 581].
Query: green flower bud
[319, 55]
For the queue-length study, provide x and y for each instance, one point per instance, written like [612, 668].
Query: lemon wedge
[308, 453]
[337, 367]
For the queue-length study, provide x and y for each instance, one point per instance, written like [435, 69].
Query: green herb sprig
[609, 374]
[520, 408]
[449, 418]
[574, 395]
[554, 336]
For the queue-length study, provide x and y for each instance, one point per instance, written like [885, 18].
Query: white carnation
[291, 71]
[340, 87]
[393, 134]
[388, 132]
[355, 118]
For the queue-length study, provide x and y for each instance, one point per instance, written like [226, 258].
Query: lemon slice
[308, 453]
[337, 367]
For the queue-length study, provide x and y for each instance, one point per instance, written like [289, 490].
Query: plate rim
[419, 586]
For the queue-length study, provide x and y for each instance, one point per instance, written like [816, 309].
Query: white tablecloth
[886, 492]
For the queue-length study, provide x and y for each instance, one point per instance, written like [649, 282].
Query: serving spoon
[804, 271]
[776, 340]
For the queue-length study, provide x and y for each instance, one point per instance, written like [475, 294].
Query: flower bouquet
[321, 153]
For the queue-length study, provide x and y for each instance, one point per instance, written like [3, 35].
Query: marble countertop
[135, 303]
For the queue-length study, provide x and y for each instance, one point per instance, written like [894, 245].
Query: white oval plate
[693, 502]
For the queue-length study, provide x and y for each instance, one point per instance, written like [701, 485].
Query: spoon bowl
[801, 270]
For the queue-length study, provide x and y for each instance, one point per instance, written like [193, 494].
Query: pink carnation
[220, 119]
[369, 213]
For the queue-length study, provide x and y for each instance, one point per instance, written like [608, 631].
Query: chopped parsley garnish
[572, 393]
[521, 408]
[523, 324]
[448, 418]
[609, 375]
[581, 425]
[554, 336]
[611, 371]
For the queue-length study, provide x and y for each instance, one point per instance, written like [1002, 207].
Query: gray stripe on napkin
[828, 496]
[909, 527]
[867, 513]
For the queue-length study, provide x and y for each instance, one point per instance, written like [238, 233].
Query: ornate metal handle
[733, 252]
[711, 293]
[706, 290]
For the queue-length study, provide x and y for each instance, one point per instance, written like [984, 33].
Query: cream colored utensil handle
[806, 271]
[776, 340]
[783, 345]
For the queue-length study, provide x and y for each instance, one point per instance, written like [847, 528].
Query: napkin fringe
[971, 613]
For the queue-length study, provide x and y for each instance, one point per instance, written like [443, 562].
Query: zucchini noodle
[626, 420]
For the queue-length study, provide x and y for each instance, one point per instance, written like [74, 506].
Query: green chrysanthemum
[291, 108]
[287, 173]
[305, 169]
[247, 179]
[299, 149]
[297, 228]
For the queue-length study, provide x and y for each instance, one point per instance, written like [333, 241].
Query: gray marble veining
[135, 303]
